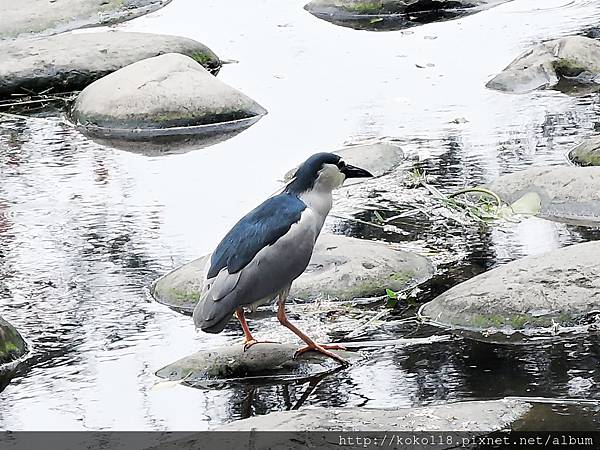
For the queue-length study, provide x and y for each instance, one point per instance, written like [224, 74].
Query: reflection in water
[84, 229]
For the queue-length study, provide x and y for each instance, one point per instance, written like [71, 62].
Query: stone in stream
[12, 345]
[270, 360]
[538, 296]
[566, 194]
[487, 416]
[378, 158]
[341, 268]
[44, 17]
[385, 15]
[587, 153]
[232, 361]
[69, 62]
[562, 63]
[168, 96]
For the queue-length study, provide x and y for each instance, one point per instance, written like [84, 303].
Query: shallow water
[85, 229]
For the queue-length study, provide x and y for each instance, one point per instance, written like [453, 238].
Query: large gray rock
[573, 60]
[378, 158]
[169, 94]
[69, 62]
[462, 416]
[44, 17]
[269, 360]
[538, 296]
[232, 361]
[12, 345]
[341, 268]
[383, 15]
[566, 194]
[587, 153]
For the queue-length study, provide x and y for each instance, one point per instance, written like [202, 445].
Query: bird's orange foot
[250, 342]
[324, 349]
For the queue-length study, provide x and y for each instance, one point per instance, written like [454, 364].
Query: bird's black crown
[306, 175]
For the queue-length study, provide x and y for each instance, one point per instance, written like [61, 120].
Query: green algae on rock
[69, 62]
[12, 345]
[587, 153]
[387, 15]
[538, 296]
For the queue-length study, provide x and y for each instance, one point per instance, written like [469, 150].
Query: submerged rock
[70, 62]
[232, 361]
[538, 296]
[490, 415]
[562, 63]
[43, 17]
[587, 153]
[168, 95]
[565, 194]
[378, 158]
[385, 15]
[12, 345]
[342, 268]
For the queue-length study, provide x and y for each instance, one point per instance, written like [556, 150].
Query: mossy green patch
[568, 67]
[585, 158]
[12, 345]
[365, 7]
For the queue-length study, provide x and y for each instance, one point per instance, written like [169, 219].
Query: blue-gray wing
[260, 228]
[274, 244]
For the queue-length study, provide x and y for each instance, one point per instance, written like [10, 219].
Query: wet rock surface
[264, 359]
[587, 153]
[541, 295]
[562, 63]
[463, 416]
[379, 158]
[12, 345]
[41, 17]
[169, 94]
[341, 268]
[387, 15]
[70, 62]
[566, 194]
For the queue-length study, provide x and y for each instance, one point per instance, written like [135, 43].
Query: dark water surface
[85, 229]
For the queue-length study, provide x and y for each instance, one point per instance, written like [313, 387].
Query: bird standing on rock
[260, 257]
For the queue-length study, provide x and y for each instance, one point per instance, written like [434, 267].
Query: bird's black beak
[355, 172]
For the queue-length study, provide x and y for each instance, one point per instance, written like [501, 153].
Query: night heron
[260, 257]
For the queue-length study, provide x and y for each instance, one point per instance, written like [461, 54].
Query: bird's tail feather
[211, 316]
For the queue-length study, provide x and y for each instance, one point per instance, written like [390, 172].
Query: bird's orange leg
[310, 344]
[249, 341]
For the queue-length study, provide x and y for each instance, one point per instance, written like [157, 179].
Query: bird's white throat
[319, 198]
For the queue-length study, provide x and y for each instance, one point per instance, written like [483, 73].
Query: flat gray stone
[232, 362]
[12, 345]
[543, 295]
[44, 17]
[566, 194]
[384, 15]
[341, 268]
[572, 60]
[379, 158]
[587, 153]
[270, 360]
[69, 62]
[488, 415]
[167, 95]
